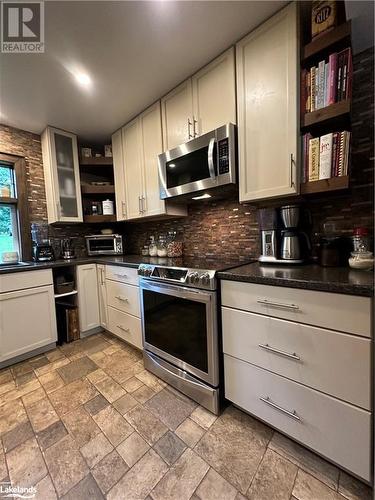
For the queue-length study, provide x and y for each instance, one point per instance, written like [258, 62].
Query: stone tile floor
[86, 421]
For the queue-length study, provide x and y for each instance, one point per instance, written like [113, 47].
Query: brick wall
[226, 228]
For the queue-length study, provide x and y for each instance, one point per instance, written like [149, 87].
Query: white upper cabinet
[202, 103]
[267, 65]
[61, 173]
[131, 143]
[214, 94]
[119, 174]
[177, 111]
[151, 147]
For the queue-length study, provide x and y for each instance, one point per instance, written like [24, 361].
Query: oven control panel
[197, 278]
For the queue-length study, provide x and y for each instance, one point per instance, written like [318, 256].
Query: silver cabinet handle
[143, 203]
[195, 122]
[102, 276]
[123, 204]
[123, 328]
[189, 125]
[210, 158]
[140, 204]
[279, 351]
[292, 414]
[121, 275]
[120, 297]
[267, 302]
[292, 183]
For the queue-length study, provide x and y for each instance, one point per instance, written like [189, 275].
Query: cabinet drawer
[346, 313]
[27, 279]
[336, 430]
[125, 326]
[122, 274]
[335, 363]
[124, 297]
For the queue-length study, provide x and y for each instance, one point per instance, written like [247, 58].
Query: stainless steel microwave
[203, 163]
[104, 244]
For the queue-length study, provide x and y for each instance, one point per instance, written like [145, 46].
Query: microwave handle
[211, 166]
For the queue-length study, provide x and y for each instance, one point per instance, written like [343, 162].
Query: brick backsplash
[226, 228]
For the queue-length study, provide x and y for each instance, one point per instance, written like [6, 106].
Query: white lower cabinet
[337, 430]
[123, 304]
[88, 299]
[301, 361]
[102, 295]
[27, 315]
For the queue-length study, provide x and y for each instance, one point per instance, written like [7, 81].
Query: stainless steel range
[180, 328]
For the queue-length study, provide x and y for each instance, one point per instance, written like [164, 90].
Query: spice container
[152, 249]
[174, 245]
[360, 239]
[362, 260]
[162, 247]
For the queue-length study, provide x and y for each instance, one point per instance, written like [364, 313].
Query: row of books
[326, 156]
[327, 83]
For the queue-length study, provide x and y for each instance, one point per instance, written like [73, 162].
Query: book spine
[338, 154]
[303, 92]
[326, 84]
[346, 153]
[325, 157]
[313, 89]
[341, 154]
[350, 75]
[320, 103]
[339, 77]
[344, 74]
[308, 92]
[314, 159]
[332, 78]
[334, 152]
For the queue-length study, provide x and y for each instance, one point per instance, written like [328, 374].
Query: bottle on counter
[162, 246]
[153, 248]
[174, 245]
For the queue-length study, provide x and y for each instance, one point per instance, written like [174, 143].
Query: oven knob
[141, 271]
[148, 271]
[193, 278]
[205, 279]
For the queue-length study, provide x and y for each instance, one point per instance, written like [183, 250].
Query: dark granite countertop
[309, 277]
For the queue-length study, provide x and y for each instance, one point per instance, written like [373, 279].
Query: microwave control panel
[223, 150]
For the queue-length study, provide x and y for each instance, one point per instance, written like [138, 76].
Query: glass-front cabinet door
[61, 171]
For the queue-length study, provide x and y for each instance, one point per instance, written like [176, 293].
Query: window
[14, 226]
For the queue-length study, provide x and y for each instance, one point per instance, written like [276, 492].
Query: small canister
[108, 207]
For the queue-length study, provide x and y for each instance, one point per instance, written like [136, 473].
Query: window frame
[20, 202]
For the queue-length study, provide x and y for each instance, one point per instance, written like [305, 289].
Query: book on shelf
[328, 82]
[326, 156]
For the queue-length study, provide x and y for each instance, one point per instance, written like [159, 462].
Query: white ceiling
[134, 52]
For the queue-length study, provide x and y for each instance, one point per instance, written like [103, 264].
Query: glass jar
[174, 245]
[361, 260]
[153, 248]
[145, 250]
[162, 247]
[360, 239]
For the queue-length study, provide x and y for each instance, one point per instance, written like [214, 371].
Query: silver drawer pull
[266, 302]
[121, 275]
[279, 351]
[291, 414]
[123, 328]
[123, 299]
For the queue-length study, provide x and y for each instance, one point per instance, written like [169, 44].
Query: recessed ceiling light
[83, 79]
[202, 197]
[171, 165]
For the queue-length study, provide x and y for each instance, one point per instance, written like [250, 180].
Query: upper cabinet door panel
[152, 146]
[214, 94]
[133, 168]
[61, 169]
[119, 174]
[267, 108]
[177, 116]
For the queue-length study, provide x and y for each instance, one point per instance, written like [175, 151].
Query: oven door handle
[177, 290]
[210, 158]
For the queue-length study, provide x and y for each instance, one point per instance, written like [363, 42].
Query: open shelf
[338, 109]
[88, 189]
[325, 41]
[59, 295]
[94, 161]
[324, 185]
[99, 218]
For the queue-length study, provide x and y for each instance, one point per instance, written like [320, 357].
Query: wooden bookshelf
[99, 218]
[96, 161]
[325, 42]
[89, 189]
[333, 111]
[324, 185]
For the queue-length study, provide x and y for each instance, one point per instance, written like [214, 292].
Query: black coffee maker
[42, 248]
